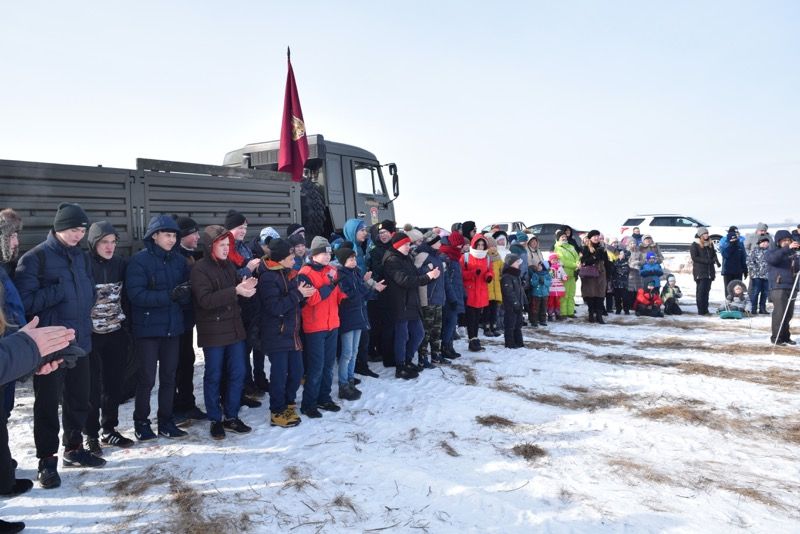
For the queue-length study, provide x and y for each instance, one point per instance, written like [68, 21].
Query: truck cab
[340, 182]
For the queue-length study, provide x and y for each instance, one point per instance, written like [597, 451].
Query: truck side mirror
[395, 180]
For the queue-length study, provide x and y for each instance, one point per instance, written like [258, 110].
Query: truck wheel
[312, 209]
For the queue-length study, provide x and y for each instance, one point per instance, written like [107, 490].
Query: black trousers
[473, 319]
[70, 387]
[107, 363]
[7, 474]
[184, 373]
[489, 314]
[512, 326]
[623, 299]
[156, 353]
[703, 289]
[780, 326]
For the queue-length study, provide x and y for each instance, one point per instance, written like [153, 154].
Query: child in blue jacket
[540, 281]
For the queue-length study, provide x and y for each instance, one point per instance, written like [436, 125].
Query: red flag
[294, 143]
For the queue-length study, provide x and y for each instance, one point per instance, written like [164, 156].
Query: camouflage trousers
[432, 322]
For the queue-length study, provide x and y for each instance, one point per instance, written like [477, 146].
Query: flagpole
[288, 53]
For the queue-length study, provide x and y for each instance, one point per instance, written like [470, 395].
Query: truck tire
[312, 209]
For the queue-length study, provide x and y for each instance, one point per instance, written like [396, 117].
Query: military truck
[342, 182]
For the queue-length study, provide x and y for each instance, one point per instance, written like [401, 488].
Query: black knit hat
[399, 239]
[279, 249]
[234, 219]
[343, 254]
[70, 216]
[187, 226]
[592, 233]
[388, 224]
[467, 227]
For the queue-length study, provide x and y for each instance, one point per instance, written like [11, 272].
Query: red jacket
[321, 311]
[648, 298]
[476, 285]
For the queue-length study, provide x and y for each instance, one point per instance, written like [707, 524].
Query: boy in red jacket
[321, 326]
[648, 303]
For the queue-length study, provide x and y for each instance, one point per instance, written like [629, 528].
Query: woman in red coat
[477, 273]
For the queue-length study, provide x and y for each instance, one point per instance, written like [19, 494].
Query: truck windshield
[369, 179]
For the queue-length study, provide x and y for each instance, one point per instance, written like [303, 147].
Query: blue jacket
[782, 266]
[540, 282]
[353, 309]
[651, 270]
[63, 292]
[280, 317]
[351, 228]
[454, 285]
[734, 257]
[151, 276]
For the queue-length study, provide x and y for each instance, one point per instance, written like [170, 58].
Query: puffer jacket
[477, 273]
[495, 293]
[280, 302]
[351, 227]
[557, 278]
[513, 294]
[151, 276]
[402, 289]
[454, 285]
[60, 292]
[732, 301]
[540, 282]
[734, 257]
[353, 309]
[647, 298]
[704, 258]
[622, 270]
[217, 313]
[783, 265]
[321, 312]
[568, 257]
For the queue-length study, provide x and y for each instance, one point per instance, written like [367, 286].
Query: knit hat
[279, 249]
[467, 227]
[10, 224]
[733, 229]
[186, 225]
[733, 235]
[296, 239]
[650, 256]
[700, 231]
[414, 235]
[343, 254]
[553, 257]
[763, 238]
[70, 216]
[522, 237]
[234, 219]
[319, 245]
[389, 225]
[407, 227]
[511, 259]
[399, 239]
[431, 237]
[592, 233]
[268, 232]
[762, 226]
[98, 231]
[780, 235]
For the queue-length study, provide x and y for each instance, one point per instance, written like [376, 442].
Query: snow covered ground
[681, 424]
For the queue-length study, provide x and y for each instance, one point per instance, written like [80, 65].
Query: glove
[69, 354]
[477, 272]
[489, 279]
[181, 292]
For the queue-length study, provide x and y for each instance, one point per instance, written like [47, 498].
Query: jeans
[347, 358]
[285, 373]
[320, 353]
[407, 337]
[449, 323]
[156, 353]
[758, 294]
[231, 358]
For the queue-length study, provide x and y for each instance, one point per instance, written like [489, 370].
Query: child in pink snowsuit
[558, 276]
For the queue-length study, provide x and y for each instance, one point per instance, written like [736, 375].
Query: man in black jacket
[783, 265]
[381, 334]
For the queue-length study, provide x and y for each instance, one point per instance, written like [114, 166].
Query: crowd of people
[319, 309]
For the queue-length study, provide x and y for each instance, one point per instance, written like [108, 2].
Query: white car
[669, 229]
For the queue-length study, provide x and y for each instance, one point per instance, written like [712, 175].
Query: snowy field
[682, 424]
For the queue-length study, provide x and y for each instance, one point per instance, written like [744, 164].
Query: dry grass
[344, 502]
[469, 373]
[446, 447]
[752, 494]
[482, 360]
[584, 400]
[529, 451]
[495, 420]
[575, 389]
[135, 485]
[296, 479]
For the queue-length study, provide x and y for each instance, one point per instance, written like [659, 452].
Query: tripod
[792, 298]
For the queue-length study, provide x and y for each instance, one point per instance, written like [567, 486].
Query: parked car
[507, 227]
[546, 233]
[669, 229]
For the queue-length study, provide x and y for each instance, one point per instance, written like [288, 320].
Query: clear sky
[583, 111]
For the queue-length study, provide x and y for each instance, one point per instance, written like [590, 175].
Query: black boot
[475, 345]
[449, 352]
[599, 317]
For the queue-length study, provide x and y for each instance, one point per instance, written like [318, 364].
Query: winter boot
[439, 359]
[329, 406]
[366, 371]
[599, 317]
[348, 393]
[449, 352]
[21, 485]
[217, 431]
[425, 363]
[284, 419]
[590, 317]
[475, 345]
[405, 372]
[48, 476]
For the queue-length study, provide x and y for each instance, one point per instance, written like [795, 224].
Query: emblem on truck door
[298, 128]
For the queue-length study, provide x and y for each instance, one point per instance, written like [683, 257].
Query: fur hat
[10, 224]
[279, 249]
[700, 231]
[234, 219]
[319, 245]
[500, 233]
[763, 238]
[70, 216]
[343, 254]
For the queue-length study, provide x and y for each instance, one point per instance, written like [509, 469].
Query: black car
[546, 232]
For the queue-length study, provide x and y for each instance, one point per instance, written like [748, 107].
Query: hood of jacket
[351, 228]
[97, 232]
[212, 233]
[160, 223]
